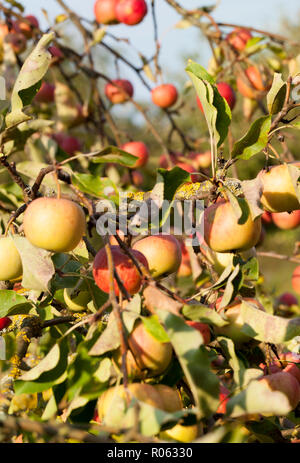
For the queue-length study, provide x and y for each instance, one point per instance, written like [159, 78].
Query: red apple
[139, 149]
[223, 397]
[119, 90]
[68, 143]
[226, 92]
[286, 383]
[266, 217]
[125, 268]
[287, 299]
[239, 37]
[286, 220]
[164, 95]
[26, 27]
[56, 53]
[256, 83]
[4, 322]
[185, 268]
[17, 41]
[45, 93]
[131, 12]
[203, 328]
[163, 159]
[201, 160]
[105, 11]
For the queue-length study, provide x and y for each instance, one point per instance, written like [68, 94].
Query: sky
[177, 43]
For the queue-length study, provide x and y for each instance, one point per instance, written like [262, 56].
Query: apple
[233, 315]
[4, 322]
[223, 397]
[203, 328]
[226, 92]
[286, 383]
[118, 90]
[266, 217]
[26, 27]
[45, 93]
[4, 30]
[131, 12]
[138, 149]
[201, 160]
[293, 370]
[223, 233]
[221, 260]
[279, 193]
[238, 38]
[180, 433]
[287, 299]
[105, 11]
[136, 178]
[11, 267]
[68, 143]
[164, 95]
[124, 266]
[163, 253]
[296, 279]
[151, 356]
[76, 303]
[56, 52]
[54, 224]
[163, 159]
[17, 41]
[286, 220]
[256, 83]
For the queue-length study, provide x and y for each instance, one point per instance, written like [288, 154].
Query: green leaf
[194, 360]
[114, 155]
[38, 268]
[12, 303]
[201, 313]
[94, 185]
[171, 179]
[266, 327]
[232, 287]
[276, 94]
[29, 80]
[235, 363]
[255, 139]
[154, 327]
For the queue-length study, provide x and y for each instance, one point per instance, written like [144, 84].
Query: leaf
[255, 139]
[258, 398]
[172, 179]
[109, 340]
[235, 363]
[154, 327]
[276, 94]
[48, 363]
[201, 313]
[94, 185]
[114, 155]
[232, 286]
[38, 268]
[253, 190]
[12, 303]
[195, 362]
[29, 80]
[266, 327]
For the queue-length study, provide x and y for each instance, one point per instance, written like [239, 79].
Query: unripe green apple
[11, 264]
[79, 302]
[162, 252]
[54, 224]
[223, 232]
[279, 193]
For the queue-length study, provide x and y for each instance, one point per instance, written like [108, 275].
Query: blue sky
[264, 14]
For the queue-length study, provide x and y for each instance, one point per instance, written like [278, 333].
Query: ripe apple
[45, 93]
[203, 328]
[105, 11]
[26, 27]
[4, 322]
[124, 266]
[68, 143]
[285, 383]
[119, 90]
[136, 178]
[293, 370]
[255, 82]
[238, 38]
[162, 252]
[226, 92]
[164, 95]
[223, 233]
[56, 53]
[149, 353]
[78, 302]
[131, 12]
[266, 217]
[11, 267]
[54, 224]
[201, 160]
[286, 220]
[287, 299]
[279, 193]
[163, 159]
[223, 397]
[138, 149]
[17, 41]
[233, 314]
[296, 279]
